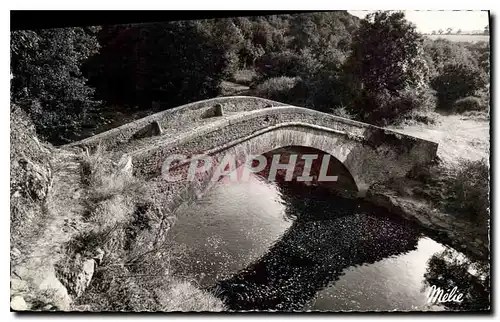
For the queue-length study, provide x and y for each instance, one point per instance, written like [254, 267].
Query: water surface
[264, 246]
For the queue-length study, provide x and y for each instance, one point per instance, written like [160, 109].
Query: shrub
[341, 111]
[279, 64]
[471, 191]
[180, 62]
[280, 89]
[387, 54]
[383, 108]
[457, 81]
[127, 222]
[47, 81]
[244, 76]
[470, 103]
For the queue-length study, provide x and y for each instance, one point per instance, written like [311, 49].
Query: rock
[156, 128]
[219, 110]
[84, 277]
[18, 304]
[152, 129]
[99, 256]
[59, 294]
[18, 286]
[37, 179]
[76, 274]
[125, 165]
[14, 252]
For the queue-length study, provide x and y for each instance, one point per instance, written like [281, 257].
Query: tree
[456, 81]
[459, 31]
[47, 80]
[440, 31]
[486, 30]
[433, 32]
[448, 31]
[173, 62]
[386, 53]
[386, 60]
[446, 270]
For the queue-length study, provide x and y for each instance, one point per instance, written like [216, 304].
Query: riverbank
[433, 196]
[87, 235]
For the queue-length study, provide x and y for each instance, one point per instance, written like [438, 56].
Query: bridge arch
[350, 153]
[371, 154]
[344, 179]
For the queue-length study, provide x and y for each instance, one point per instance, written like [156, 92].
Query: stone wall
[184, 114]
[255, 126]
[370, 153]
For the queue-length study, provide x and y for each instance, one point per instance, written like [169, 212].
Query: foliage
[244, 76]
[125, 220]
[384, 108]
[173, 62]
[47, 81]
[447, 269]
[386, 54]
[319, 31]
[441, 52]
[457, 81]
[469, 103]
[386, 71]
[285, 63]
[279, 89]
[471, 191]
[368, 66]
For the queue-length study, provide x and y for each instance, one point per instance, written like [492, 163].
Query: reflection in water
[297, 247]
[448, 269]
[230, 228]
[314, 252]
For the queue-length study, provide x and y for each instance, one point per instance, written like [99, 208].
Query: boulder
[125, 165]
[17, 303]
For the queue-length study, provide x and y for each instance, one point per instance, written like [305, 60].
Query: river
[263, 245]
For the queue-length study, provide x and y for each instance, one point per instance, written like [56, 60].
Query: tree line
[378, 70]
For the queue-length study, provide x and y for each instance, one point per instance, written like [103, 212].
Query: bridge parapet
[177, 117]
[370, 153]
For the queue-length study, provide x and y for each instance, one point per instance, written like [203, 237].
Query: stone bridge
[253, 126]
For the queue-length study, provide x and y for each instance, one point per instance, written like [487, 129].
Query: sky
[427, 21]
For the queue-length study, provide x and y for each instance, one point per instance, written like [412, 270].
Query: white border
[198, 5]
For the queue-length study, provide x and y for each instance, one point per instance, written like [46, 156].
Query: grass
[92, 205]
[127, 223]
[461, 38]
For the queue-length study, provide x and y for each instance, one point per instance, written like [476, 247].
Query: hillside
[78, 232]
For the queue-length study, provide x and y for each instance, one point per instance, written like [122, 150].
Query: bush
[471, 191]
[244, 76]
[341, 111]
[180, 62]
[470, 103]
[282, 89]
[279, 64]
[384, 108]
[457, 81]
[47, 81]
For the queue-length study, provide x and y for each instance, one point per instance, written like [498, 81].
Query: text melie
[437, 295]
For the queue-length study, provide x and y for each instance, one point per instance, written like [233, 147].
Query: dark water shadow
[313, 253]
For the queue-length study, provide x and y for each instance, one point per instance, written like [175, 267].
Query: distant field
[461, 38]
